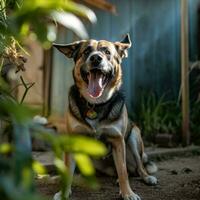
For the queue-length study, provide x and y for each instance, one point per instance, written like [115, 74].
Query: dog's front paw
[150, 180]
[57, 196]
[131, 196]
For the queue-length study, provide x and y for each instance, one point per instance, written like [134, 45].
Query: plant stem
[18, 85]
[26, 88]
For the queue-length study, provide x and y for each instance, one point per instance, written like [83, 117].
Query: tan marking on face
[77, 72]
[116, 82]
[109, 45]
[77, 75]
[104, 43]
[92, 43]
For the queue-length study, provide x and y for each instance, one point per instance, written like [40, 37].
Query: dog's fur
[97, 108]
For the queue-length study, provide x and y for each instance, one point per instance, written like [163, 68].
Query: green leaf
[38, 168]
[84, 163]
[81, 144]
[5, 148]
[8, 107]
[64, 175]
[60, 165]
[27, 177]
[80, 10]
[73, 144]
[70, 21]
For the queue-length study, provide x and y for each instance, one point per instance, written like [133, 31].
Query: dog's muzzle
[95, 60]
[97, 74]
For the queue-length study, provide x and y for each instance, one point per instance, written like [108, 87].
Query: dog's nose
[96, 59]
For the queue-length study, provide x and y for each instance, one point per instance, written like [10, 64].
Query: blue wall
[154, 59]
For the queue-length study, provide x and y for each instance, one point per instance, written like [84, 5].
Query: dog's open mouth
[97, 80]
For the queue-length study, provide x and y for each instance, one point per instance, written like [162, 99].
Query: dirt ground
[179, 179]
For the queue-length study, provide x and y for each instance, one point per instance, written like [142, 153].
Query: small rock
[174, 172]
[186, 170]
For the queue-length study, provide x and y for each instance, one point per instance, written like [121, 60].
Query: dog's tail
[149, 165]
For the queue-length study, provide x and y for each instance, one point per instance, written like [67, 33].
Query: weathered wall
[33, 74]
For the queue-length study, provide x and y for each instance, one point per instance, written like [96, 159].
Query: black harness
[108, 111]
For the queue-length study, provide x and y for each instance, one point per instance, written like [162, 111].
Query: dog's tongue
[95, 85]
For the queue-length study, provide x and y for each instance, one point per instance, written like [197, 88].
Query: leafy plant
[157, 115]
[195, 126]
[194, 77]
[37, 20]
[17, 168]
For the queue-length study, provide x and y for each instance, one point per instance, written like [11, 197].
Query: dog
[97, 108]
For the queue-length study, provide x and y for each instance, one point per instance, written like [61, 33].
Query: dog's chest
[96, 129]
[93, 128]
[95, 120]
[93, 123]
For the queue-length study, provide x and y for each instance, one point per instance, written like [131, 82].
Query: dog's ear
[123, 46]
[70, 50]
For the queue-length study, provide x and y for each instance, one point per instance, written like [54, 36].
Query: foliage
[194, 77]
[17, 168]
[157, 115]
[195, 125]
[35, 19]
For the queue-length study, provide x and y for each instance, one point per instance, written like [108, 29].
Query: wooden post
[47, 76]
[184, 72]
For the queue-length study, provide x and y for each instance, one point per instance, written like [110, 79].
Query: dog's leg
[69, 161]
[137, 148]
[119, 156]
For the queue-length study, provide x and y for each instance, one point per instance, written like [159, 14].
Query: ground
[179, 179]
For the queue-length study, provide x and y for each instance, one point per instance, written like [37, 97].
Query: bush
[17, 167]
[156, 115]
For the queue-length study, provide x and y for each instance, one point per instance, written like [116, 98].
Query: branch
[26, 88]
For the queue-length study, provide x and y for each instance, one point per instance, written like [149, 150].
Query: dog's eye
[107, 52]
[87, 51]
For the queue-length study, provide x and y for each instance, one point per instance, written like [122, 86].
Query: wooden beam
[184, 73]
[47, 78]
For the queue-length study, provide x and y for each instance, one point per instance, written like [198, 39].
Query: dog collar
[83, 110]
[91, 114]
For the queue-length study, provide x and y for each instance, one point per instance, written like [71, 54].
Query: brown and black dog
[97, 108]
